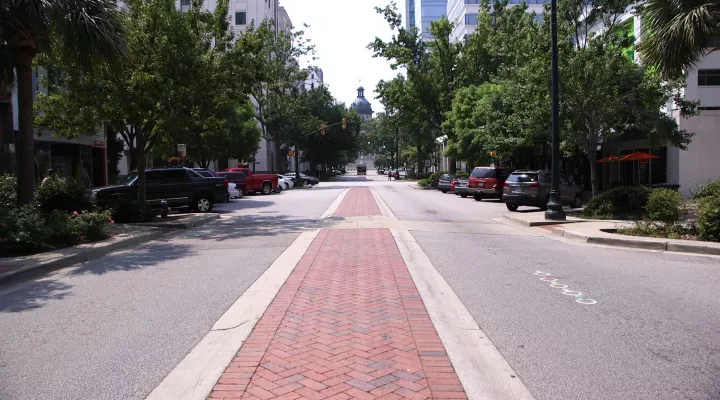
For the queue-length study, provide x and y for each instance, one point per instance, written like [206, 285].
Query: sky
[341, 31]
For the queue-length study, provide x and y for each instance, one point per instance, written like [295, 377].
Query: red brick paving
[358, 202]
[348, 324]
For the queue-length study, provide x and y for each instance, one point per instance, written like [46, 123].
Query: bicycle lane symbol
[579, 297]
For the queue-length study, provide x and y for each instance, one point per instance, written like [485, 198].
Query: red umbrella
[638, 156]
[607, 159]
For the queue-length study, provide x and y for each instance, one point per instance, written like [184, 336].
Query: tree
[277, 80]
[678, 33]
[144, 93]
[86, 33]
[426, 90]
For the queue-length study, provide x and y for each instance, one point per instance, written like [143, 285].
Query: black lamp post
[555, 206]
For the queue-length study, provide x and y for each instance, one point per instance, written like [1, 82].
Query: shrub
[709, 219]
[436, 175]
[90, 225]
[60, 194]
[423, 182]
[8, 191]
[710, 189]
[625, 202]
[26, 230]
[665, 205]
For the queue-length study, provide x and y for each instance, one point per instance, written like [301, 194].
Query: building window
[312, 86]
[471, 19]
[184, 3]
[472, 1]
[240, 18]
[709, 77]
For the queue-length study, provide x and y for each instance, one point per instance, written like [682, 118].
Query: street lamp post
[554, 205]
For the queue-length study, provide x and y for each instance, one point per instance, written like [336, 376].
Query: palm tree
[678, 33]
[85, 32]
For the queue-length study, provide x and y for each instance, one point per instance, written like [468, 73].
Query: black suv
[179, 187]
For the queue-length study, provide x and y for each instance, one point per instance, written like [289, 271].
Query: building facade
[361, 105]
[315, 79]
[464, 13]
[420, 13]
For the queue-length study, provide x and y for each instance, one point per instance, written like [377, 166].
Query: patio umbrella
[639, 156]
[607, 159]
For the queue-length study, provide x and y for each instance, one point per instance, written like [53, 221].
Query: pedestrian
[389, 175]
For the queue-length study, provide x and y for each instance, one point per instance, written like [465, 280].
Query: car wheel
[203, 204]
[511, 207]
[477, 197]
[464, 196]
[287, 186]
[578, 201]
[444, 191]
[241, 193]
[266, 189]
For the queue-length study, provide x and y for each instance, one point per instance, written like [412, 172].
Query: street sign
[98, 143]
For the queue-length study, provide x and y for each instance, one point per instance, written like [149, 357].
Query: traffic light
[492, 154]
[322, 129]
[344, 123]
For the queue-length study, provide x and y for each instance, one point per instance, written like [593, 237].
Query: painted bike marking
[579, 298]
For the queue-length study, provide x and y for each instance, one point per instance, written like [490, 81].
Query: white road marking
[334, 205]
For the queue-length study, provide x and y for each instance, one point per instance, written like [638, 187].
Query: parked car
[307, 179]
[263, 183]
[233, 191]
[284, 182]
[402, 174]
[179, 187]
[487, 182]
[445, 182]
[238, 178]
[532, 188]
[461, 188]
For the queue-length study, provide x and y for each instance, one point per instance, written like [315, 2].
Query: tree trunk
[6, 125]
[452, 165]
[141, 161]
[25, 146]
[279, 161]
[593, 170]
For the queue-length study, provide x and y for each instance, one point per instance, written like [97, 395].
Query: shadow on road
[34, 296]
[256, 225]
[144, 256]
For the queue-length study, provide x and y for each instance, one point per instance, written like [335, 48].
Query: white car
[284, 182]
[233, 191]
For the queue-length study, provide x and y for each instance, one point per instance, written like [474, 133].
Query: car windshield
[483, 173]
[129, 179]
[522, 177]
[206, 174]
[445, 177]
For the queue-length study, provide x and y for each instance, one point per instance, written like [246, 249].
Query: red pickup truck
[263, 183]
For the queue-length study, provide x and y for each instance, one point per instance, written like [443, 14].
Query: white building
[687, 168]
[464, 13]
[315, 79]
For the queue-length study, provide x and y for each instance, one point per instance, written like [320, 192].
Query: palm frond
[678, 33]
[87, 31]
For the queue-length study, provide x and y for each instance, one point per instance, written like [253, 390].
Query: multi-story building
[315, 79]
[464, 13]
[420, 13]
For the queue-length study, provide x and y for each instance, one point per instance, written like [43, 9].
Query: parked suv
[179, 187]
[487, 182]
[532, 188]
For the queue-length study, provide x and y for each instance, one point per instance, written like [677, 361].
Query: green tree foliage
[275, 80]
[144, 95]
[678, 33]
[424, 93]
[85, 33]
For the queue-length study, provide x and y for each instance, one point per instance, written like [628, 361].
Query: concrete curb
[78, 254]
[518, 220]
[418, 187]
[640, 243]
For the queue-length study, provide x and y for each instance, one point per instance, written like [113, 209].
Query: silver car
[532, 188]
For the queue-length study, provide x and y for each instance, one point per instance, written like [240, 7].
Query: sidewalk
[348, 323]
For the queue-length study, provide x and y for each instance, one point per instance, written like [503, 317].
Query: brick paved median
[348, 323]
[358, 202]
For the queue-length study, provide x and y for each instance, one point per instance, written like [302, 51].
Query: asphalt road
[113, 328]
[654, 332]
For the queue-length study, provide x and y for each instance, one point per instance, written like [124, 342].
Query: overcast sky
[341, 31]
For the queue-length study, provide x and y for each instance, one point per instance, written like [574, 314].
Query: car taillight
[535, 186]
[507, 185]
[226, 183]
